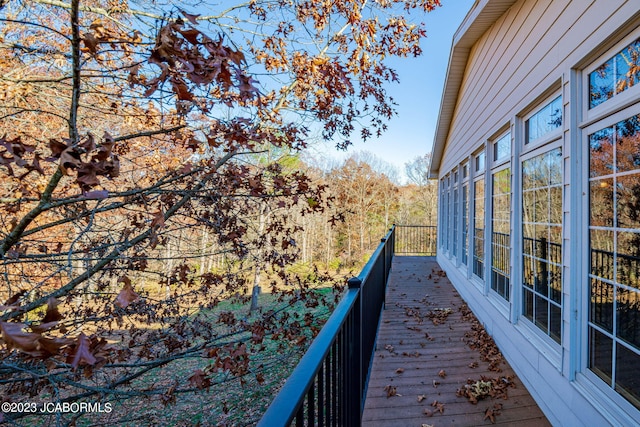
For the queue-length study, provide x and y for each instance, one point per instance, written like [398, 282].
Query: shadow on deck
[422, 359]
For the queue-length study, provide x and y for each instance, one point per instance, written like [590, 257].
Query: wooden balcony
[430, 362]
[423, 363]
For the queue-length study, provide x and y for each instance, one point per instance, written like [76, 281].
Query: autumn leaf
[421, 397]
[442, 373]
[399, 370]
[14, 299]
[192, 18]
[200, 380]
[158, 219]
[391, 391]
[127, 295]
[15, 337]
[439, 406]
[82, 352]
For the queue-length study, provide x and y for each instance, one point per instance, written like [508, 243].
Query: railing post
[354, 373]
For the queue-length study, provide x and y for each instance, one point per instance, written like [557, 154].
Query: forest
[166, 237]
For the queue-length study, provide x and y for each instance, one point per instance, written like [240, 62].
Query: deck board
[411, 351]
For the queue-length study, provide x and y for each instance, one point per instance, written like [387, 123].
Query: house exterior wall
[534, 53]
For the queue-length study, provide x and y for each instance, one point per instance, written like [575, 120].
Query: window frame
[549, 137]
[619, 101]
[478, 174]
[613, 111]
[553, 347]
[497, 166]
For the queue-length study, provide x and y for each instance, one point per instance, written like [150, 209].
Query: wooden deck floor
[423, 358]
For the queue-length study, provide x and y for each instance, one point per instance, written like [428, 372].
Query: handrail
[283, 408]
[416, 240]
[328, 386]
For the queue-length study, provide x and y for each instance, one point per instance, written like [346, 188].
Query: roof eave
[483, 14]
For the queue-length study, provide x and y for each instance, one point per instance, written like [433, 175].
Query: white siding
[533, 47]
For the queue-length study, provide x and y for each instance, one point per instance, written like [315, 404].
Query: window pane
[600, 357]
[601, 202]
[601, 304]
[628, 144]
[627, 378]
[555, 167]
[628, 259]
[527, 304]
[480, 161]
[616, 75]
[628, 67]
[502, 147]
[601, 152]
[601, 244]
[628, 316]
[555, 322]
[601, 84]
[545, 120]
[542, 313]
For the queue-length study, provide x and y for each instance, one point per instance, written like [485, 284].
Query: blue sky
[410, 133]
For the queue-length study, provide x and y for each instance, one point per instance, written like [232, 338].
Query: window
[544, 121]
[542, 241]
[615, 75]
[464, 253]
[500, 232]
[442, 212]
[501, 217]
[614, 247]
[455, 213]
[448, 216]
[478, 217]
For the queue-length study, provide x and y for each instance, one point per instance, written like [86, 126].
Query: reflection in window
[614, 243]
[616, 75]
[478, 228]
[442, 211]
[465, 223]
[455, 214]
[500, 232]
[502, 148]
[548, 118]
[542, 241]
[447, 213]
[480, 161]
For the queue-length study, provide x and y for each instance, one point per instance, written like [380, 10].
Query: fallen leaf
[421, 397]
[399, 370]
[442, 373]
[200, 380]
[391, 391]
[428, 412]
[439, 406]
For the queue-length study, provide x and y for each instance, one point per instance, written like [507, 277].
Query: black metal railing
[328, 386]
[416, 240]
